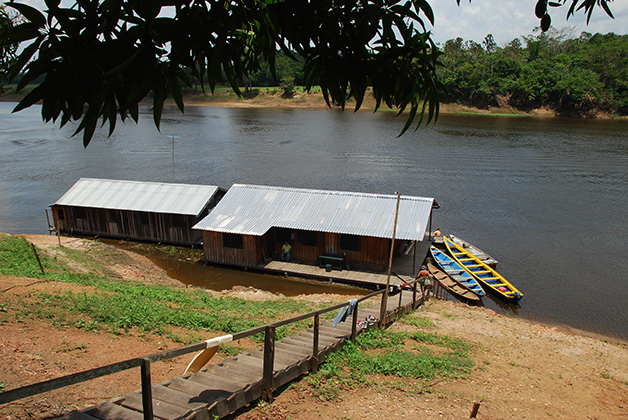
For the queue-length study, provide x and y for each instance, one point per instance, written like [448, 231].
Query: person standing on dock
[424, 281]
[286, 250]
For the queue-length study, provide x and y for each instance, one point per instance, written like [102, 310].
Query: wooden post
[414, 304]
[414, 259]
[147, 391]
[474, 410]
[41, 267]
[382, 311]
[354, 327]
[269, 359]
[317, 328]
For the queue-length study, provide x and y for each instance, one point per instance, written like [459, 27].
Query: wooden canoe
[451, 285]
[456, 271]
[482, 272]
[483, 256]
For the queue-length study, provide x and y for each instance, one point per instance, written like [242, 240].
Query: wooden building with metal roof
[251, 222]
[142, 211]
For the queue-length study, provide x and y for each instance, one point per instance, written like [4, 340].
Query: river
[548, 197]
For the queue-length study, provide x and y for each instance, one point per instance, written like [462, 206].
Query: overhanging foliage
[101, 58]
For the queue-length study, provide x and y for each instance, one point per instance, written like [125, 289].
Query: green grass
[119, 306]
[383, 352]
[415, 321]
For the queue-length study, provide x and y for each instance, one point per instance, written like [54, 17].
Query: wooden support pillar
[317, 328]
[41, 267]
[269, 361]
[147, 391]
[382, 312]
[414, 303]
[354, 327]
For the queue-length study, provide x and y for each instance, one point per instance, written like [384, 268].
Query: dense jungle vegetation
[573, 75]
[555, 69]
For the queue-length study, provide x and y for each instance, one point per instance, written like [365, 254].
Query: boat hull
[485, 274]
[451, 285]
[483, 256]
[456, 271]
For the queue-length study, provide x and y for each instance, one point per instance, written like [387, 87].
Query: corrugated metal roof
[153, 197]
[254, 209]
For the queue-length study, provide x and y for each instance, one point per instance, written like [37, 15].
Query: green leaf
[607, 9]
[21, 61]
[175, 88]
[427, 9]
[33, 97]
[29, 13]
[541, 8]
[546, 22]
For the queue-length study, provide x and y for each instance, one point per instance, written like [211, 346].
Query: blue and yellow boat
[482, 272]
[456, 272]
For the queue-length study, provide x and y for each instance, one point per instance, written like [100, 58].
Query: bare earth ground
[522, 370]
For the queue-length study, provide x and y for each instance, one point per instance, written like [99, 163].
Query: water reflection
[222, 278]
[546, 196]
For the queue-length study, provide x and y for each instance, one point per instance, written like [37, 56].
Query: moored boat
[456, 271]
[451, 285]
[482, 272]
[481, 255]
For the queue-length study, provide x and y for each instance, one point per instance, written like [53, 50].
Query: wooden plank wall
[373, 256]
[248, 256]
[142, 226]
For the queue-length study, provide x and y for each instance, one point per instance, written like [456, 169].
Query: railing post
[414, 304]
[314, 361]
[382, 310]
[147, 391]
[269, 359]
[354, 327]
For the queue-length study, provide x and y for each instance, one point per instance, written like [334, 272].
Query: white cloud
[507, 20]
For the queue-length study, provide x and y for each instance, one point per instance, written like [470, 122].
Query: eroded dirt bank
[521, 370]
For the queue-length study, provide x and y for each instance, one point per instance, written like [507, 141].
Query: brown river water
[548, 197]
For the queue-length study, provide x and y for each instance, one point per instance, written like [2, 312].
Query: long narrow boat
[485, 274]
[486, 258]
[456, 271]
[453, 286]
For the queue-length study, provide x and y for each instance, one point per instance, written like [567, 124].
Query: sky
[510, 19]
[504, 19]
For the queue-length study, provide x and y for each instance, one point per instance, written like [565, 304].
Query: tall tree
[8, 50]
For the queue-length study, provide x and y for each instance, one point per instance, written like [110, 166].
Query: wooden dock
[222, 388]
[405, 267]
[352, 277]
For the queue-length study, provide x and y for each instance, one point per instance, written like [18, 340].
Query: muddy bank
[521, 369]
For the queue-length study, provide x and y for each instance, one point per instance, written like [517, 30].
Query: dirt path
[522, 370]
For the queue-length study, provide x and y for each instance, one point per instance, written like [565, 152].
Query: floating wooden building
[143, 211]
[251, 222]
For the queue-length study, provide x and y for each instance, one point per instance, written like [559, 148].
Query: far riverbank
[272, 97]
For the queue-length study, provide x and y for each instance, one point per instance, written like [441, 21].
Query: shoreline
[39, 239]
[270, 98]
[516, 367]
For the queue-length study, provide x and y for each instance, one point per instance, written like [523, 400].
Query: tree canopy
[7, 51]
[100, 58]
[572, 75]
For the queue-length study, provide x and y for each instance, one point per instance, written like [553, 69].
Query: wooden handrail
[145, 361]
